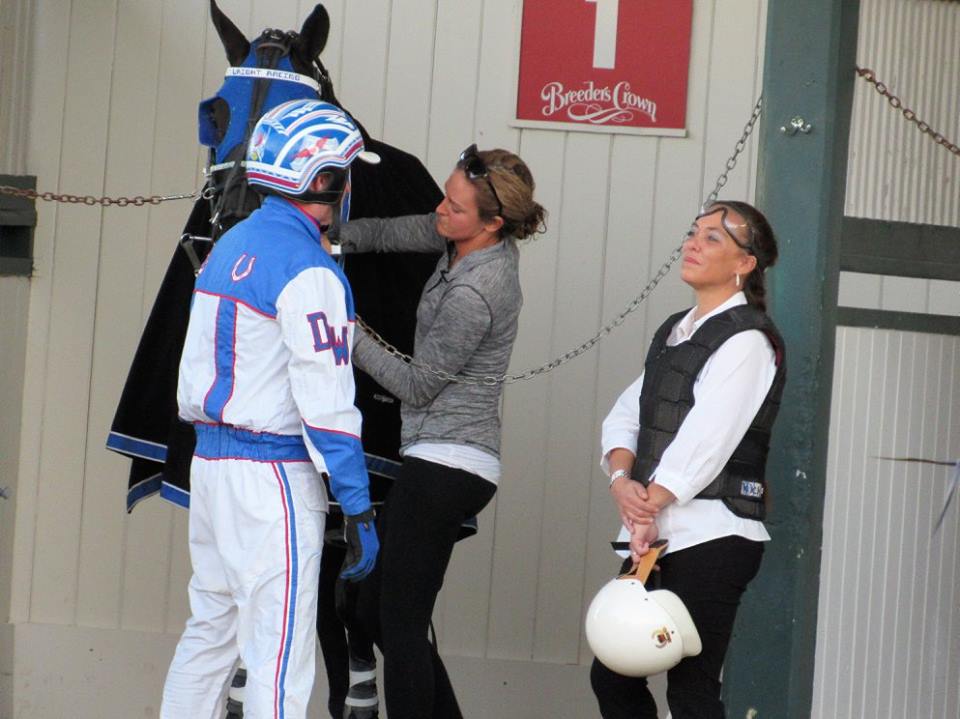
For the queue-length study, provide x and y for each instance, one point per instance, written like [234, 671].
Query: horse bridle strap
[272, 74]
[224, 166]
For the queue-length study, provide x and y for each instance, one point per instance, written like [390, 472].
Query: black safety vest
[667, 396]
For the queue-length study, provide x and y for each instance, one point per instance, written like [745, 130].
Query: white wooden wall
[113, 88]
[887, 638]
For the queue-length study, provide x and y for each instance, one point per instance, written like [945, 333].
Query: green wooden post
[809, 74]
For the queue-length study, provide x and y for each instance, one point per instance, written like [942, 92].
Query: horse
[275, 67]
[386, 287]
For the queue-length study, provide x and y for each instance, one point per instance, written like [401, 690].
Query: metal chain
[91, 200]
[493, 380]
[897, 103]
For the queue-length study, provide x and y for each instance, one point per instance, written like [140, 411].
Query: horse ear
[235, 44]
[313, 34]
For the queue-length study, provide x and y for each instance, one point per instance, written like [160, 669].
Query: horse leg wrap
[362, 701]
[235, 695]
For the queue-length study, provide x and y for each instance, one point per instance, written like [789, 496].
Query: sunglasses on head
[474, 167]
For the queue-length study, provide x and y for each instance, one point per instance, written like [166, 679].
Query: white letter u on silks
[237, 274]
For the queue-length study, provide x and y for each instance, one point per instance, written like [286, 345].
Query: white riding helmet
[294, 142]
[637, 633]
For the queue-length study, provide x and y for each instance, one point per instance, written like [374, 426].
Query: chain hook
[797, 124]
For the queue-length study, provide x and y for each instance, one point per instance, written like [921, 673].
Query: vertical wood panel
[453, 96]
[409, 75]
[570, 391]
[680, 168]
[632, 193]
[731, 95]
[366, 48]
[332, 55]
[118, 320]
[14, 82]
[147, 557]
[14, 299]
[280, 15]
[888, 598]
[525, 421]
[499, 53]
[71, 321]
[48, 81]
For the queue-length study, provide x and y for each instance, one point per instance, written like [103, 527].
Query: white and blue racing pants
[257, 514]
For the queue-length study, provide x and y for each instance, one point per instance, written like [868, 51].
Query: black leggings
[709, 578]
[418, 527]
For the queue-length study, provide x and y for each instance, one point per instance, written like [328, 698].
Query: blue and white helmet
[296, 141]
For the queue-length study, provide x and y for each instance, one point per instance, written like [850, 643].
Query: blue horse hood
[284, 84]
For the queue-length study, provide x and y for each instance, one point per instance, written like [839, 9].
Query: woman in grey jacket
[450, 439]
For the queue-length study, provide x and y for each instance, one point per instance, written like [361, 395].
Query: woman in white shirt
[685, 447]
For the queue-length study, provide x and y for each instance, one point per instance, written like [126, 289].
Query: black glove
[362, 546]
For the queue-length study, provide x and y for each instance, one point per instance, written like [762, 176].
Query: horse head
[275, 67]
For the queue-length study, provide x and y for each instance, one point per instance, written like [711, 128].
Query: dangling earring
[738, 280]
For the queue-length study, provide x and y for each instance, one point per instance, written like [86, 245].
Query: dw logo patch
[325, 337]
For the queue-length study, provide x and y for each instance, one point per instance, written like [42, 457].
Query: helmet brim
[674, 606]
[371, 158]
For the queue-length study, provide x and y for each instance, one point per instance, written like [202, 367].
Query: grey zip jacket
[466, 325]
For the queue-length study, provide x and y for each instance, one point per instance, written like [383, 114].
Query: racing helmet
[296, 141]
[638, 633]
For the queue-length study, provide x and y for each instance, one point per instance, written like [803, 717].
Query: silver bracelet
[617, 475]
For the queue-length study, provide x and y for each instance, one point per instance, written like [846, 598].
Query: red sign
[607, 65]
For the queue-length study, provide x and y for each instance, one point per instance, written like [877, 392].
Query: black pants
[418, 527]
[709, 578]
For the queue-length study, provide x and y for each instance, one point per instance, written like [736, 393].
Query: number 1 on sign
[605, 34]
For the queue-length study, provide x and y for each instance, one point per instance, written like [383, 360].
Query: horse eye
[220, 114]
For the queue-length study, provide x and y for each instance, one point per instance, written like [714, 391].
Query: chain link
[897, 104]
[91, 200]
[493, 380]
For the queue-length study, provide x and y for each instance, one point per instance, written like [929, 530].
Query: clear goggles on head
[730, 227]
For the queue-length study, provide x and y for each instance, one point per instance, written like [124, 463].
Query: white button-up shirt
[728, 393]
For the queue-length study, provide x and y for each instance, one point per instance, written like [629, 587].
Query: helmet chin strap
[335, 221]
[341, 207]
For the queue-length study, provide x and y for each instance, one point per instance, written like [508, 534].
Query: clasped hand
[634, 502]
[638, 514]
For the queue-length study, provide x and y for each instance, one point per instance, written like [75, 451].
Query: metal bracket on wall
[797, 124]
